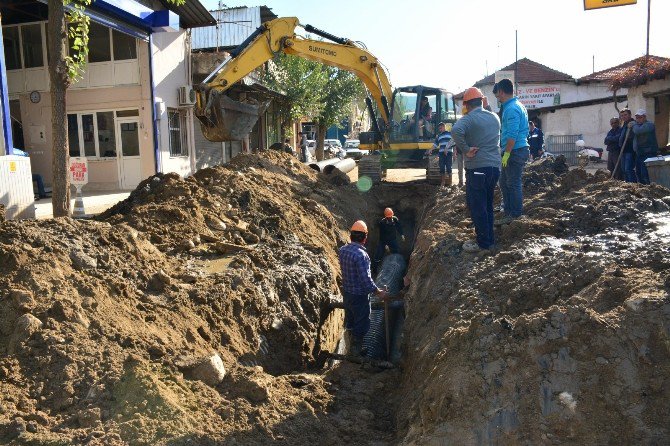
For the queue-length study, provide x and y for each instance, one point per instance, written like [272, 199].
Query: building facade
[125, 114]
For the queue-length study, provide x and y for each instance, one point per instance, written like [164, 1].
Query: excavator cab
[416, 111]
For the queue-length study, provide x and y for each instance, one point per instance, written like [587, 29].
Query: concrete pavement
[94, 203]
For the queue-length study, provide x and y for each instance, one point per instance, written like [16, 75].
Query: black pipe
[390, 275]
[373, 117]
[326, 35]
[236, 52]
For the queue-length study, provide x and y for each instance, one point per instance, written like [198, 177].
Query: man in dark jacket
[389, 228]
[626, 144]
[644, 144]
[535, 140]
[614, 149]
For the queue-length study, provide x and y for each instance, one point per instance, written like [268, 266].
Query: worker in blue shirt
[357, 284]
[514, 145]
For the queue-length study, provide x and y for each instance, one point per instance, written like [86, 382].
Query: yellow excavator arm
[224, 119]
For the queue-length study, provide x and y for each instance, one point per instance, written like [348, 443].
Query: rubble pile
[187, 314]
[561, 335]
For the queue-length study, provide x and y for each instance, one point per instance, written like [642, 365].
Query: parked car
[332, 142]
[351, 147]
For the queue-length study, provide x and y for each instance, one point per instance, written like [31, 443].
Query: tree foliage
[313, 90]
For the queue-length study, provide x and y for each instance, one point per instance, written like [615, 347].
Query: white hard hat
[580, 143]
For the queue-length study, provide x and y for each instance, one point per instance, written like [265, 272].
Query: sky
[454, 43]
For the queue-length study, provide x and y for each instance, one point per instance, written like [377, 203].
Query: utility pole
[516, 60]
[648, 23]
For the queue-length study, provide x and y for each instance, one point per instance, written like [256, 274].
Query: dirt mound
[106, 324]
[561, 335]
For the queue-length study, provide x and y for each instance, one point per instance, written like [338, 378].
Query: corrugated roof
[528, 71]
[192, 14]
[234, 25]
[624, 69]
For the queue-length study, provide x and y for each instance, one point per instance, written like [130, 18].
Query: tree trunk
[58, 75]
[320, 137]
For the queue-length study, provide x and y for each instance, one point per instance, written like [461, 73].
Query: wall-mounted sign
[597, 4]
[537, 96]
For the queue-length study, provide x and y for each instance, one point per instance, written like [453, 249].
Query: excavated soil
[561, 335]
[104, 321]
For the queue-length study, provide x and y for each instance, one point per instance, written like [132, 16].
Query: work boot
[449, 181]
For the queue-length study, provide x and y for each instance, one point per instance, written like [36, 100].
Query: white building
[125, 114]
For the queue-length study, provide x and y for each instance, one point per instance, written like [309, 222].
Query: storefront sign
[597, 4]
[78, 171]
[536, 96]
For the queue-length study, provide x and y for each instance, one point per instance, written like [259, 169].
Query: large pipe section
[345, 166]
[390, 275]
[321, 164]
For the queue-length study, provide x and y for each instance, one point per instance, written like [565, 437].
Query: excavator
[404, 120]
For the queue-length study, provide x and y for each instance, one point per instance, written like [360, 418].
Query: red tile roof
[528, 71]
[623, 70]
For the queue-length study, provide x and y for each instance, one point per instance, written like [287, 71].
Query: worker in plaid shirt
[357, 284]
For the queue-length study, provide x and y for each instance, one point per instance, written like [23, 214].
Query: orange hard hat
[472, 93]
[359, 226]
[388, 212]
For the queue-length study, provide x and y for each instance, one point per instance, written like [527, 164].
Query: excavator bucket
[225, 119]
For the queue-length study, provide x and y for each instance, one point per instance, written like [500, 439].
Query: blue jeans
[356, 313]
[641, 167]
[480, 187]
[37, 178]
[628, 160]
[446, 160]
[510, 182]
[381, 247]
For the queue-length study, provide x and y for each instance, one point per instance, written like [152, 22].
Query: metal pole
[648, 23]
[516, 59]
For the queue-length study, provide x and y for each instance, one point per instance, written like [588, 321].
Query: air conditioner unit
[186, 95]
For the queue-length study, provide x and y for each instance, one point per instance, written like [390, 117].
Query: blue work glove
[505, 158]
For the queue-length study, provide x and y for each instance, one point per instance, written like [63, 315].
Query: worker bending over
[389, 229]
[357, 284]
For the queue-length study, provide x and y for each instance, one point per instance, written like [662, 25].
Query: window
[33, 55]
[95, 133]
[12, 47]
[99, 48]
[73, 135]
[124, 46]
[177, 132]
[106, 134]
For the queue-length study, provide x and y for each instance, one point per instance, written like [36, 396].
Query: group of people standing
[629, 143]
[496, 150]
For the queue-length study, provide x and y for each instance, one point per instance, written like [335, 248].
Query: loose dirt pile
[561, 336]
[113, 329]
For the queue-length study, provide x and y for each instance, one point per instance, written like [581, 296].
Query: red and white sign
[78, 171]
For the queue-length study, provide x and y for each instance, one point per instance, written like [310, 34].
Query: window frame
[80, 131]
[183, 133]
[43, 36]
[111, 49]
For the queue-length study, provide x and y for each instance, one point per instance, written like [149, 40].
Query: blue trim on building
[4, 97]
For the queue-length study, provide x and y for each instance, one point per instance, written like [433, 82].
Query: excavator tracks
[371, 167]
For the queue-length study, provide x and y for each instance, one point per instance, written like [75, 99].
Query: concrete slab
[94, 203]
